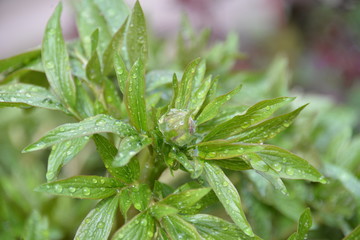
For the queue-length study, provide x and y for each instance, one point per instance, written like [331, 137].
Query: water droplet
[94, 180]
[248, 231]
[50, 175]
[102, 189]
[277, 167]
[137, 206]
[87, 220]
[100, 225]
[289, 171]
[72, 189]
[225, 184]
[52, 31]
[286, 124]
[86, 191]
[267, 108]
[245, 125]
[58, 188]
[211, 155]
[143, 222]
[102, 181]
[12, 99]
[100, 122]
[49, 65]
[322, 179]
[150, 233]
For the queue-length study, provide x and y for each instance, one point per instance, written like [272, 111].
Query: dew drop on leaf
[102, 181]
[94, 180]
[289, 171]
[72, 189]
[86, 191]
[100, 225]
[225, 184]
[144, 222]
[87, 220]
[58, 188]
[50, 175]
[277, 167]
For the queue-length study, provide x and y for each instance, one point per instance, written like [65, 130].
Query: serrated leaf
[228, 196]
[141, 227]
[185, 199]
[161, 210]
[62, 153]
[98, 223]
[129, 147]
[354, 235]
[214, 228]
[27, 95]
[18, 60]
[56, 60]
[140, 196]
[254, 114]
[212, 109]
[91, 187]
[220, 149]
[108, 152]
[135, 96]
[121, 72]
[88, 19]
[186, 85]
[267, 129]
[304, 226]
[125, 201]
[114, 12]
[288, 165]
[37, 227]
[199, 95]
[178, 228]
[97, 124]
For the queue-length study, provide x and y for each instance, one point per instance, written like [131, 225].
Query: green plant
[144, 123]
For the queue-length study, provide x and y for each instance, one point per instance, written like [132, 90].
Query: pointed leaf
[84, 104]
[98, 223]
[56, 60]
[254, 114]
[141, 227]
[186, 85]
[135, 96]
[129, 147]
[91, 187]
[214, 228]
[288, 165]
[140, 196]
[93, 69]
[18, 61]
[178, 228]
[108, 152]
[304, 226]
[125, 201]
[121, 72]
[26, 95]
[199, 95]
[62, 153]
[212, 109]
[220, 149]
[112, 98]
[97, 124]
[228, 196]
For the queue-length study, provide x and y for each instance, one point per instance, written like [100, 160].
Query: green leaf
[141, 227]
[135, 96]
[136, 44]
[97, 124]
[185, 199]
[88, 19]
[93, 69]
[267, 129]
[354, 235]
[98, 223]
[288, 165]
[220, 149]
[161, 234]
[108, 152]
[212, 109]
[27, 95]
[304, 226]
[37, 227]
[129, 147]
[157, 79]
[199, 95]
[125, 201]
[254, 114]
[121, 72]
[112, 98]
[114, 12]
[175, 86]
[160, 210]
[186, 85]
[236, 164]
[194, 167]
[62, 153]
[228, 196]
[162, 190]
[56, 60]
[140, 196]
[214, 228]
[91, 187]
[18, 61]
[84, 104]
[178, 228]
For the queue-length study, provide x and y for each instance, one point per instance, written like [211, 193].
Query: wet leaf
[228, 196]
[304, 226]
[56, 60]
[141, 227]
[194, 167]
[19, 60]
[98, 223]
[212, 109]
[199, 95]
[84, 104]
[178, 228]
[62, 153]
[121, 72]
[125, 201]
[354, 235]
[37, 227]
[93, 69]
[91, 187]
[97, 124]
[161, 210]
[27, 95]
[236, 164]
[140, 196]
[162, 190]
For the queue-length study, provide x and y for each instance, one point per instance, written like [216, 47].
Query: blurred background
[304, 48]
